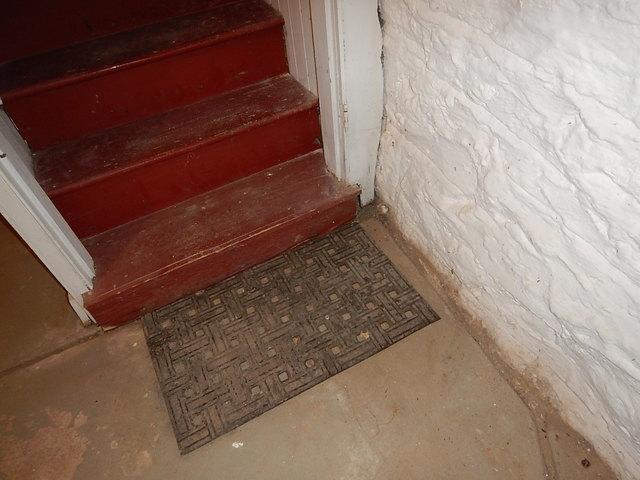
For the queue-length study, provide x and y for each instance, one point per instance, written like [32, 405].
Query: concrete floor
[430, 407]
[36, 319]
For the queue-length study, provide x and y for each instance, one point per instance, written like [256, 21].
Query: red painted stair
[59, 24]
[214, 235]
[162, 160]
[64, 94]
[176, 146]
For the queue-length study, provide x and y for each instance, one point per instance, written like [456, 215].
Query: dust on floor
[430, 406]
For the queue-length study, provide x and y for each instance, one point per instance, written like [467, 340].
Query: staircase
[178, 148]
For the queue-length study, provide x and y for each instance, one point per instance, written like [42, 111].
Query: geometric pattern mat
[237, 349]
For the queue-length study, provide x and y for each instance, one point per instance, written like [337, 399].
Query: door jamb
[348, 52]
[324, 15]
[33, 216]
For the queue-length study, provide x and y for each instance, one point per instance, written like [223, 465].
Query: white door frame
[31, 213]
[348, 52]
[334, 49]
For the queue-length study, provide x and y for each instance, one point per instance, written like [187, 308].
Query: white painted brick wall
[511, 154]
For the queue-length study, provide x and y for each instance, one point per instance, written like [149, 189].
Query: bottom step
[159, 258]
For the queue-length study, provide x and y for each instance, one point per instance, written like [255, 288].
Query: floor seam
[32, 361]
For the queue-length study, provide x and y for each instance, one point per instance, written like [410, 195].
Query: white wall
[511, 156]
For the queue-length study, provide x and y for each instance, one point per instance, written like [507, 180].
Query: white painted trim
[324, 15]
[85, 316]
[348, 49]
[334, 49]
[299, 39]
[30, 212]
[362, 91]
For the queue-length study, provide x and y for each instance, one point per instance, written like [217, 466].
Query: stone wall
[511, 157]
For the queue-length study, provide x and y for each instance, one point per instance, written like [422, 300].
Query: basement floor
[76, 404]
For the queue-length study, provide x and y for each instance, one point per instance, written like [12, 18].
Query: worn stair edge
[313, 207]
[264, 135]
[117, 96]
[65, 23]
[81, 163]
[25, 76]
[179, 178]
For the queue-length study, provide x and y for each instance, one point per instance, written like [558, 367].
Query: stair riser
[134, 193]
[209, 269]
[97, 101]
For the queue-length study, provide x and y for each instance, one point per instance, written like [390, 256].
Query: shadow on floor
[35, 317]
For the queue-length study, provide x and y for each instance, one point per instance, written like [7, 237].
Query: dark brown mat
[237, 349]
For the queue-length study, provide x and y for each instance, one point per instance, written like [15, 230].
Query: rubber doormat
[231, 352]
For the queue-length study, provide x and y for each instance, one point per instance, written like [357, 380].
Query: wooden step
[68, 93]
[32, 27]
[118, 175]
[160, 258]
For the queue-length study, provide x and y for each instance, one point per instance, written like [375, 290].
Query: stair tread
[120, 50]
[209, 224]
[67, 22]
[78, 163]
